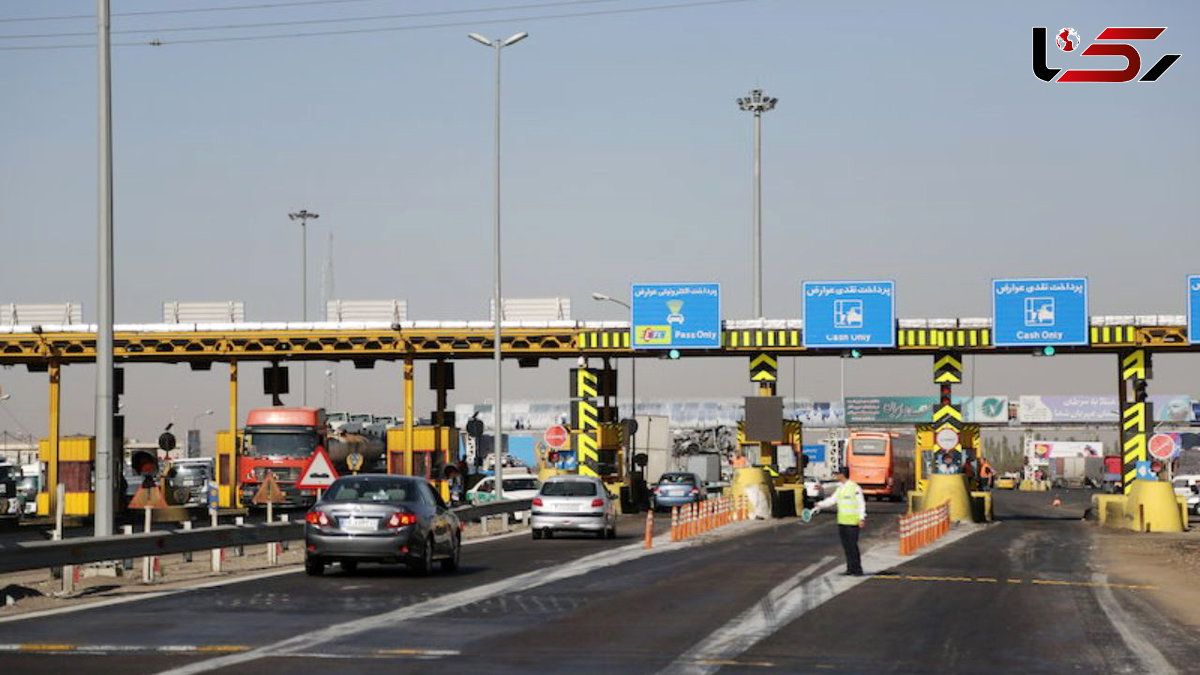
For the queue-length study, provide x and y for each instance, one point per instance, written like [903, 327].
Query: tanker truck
[281, 441]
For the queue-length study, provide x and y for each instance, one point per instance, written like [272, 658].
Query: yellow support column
[409, 408]
[51, 458]
[227, 457]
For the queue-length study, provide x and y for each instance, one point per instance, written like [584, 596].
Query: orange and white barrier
[923, 528]
[697, 518]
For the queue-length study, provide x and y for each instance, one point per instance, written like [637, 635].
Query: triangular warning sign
[148, 498]
[268, 492]
[318, 473]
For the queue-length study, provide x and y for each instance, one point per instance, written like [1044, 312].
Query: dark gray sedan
[384, 519]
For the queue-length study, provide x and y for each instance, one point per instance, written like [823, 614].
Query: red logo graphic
[1068, 41]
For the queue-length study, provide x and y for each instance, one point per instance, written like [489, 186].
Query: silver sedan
[573, 504]
[381, 518]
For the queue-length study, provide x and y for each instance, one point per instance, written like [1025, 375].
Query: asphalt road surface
[1019, 596]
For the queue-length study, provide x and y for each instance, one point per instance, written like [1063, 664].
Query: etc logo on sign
[1110, 42]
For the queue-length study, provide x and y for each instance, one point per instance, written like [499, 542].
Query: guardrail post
[239, 550]
[187, 555]
[285, 518]
[217, 553]
[148, 561]
[127, 563]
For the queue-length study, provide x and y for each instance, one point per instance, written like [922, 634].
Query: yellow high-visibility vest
[847, 504]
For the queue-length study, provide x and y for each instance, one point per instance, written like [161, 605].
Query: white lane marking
[1141, 646]
[305, 642]
[784, 604]
[290, 569]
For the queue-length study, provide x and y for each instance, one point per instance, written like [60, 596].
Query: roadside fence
[923, 528]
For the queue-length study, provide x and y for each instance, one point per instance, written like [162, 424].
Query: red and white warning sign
[1162, 446]
[557, 436]
[318, 473]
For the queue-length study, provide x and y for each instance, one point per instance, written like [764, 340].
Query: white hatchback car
[574, 504]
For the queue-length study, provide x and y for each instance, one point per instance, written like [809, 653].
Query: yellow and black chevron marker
[948, 415]
[585, 418]
[947, 368]
[764, 367]
[1137, 413]
[1135, 365]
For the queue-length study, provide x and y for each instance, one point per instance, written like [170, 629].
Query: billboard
[1099, 409]
[1039, 312]
[919, 409]
[1056, 449]
[676, 316]
[849, 314]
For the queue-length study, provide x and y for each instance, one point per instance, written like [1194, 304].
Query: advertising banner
[1055, 449]
[676, 316]
[1099, 409]
[919, 409]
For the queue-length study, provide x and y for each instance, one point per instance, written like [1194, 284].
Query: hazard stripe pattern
[585, 419]
[943, 337]
[947, 368]
[1108, 335]
[608, 339]
[764, 367]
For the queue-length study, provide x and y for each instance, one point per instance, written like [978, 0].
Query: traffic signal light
[1044, 351]
[853, 354]
[673, 354]
[1139, 391]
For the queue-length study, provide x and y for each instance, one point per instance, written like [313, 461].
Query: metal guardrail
[42, 554]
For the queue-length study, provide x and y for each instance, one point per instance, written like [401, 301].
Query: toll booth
[228, 494]
[75, 469]
[434, 448]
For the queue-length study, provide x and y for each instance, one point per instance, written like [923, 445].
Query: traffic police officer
[851, 517]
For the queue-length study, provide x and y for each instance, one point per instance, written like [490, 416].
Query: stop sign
[557, 436]
[1162, 446]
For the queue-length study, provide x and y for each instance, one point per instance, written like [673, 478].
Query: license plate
[569, 507]
[360, 524]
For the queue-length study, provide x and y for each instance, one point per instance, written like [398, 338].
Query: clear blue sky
[911, 142]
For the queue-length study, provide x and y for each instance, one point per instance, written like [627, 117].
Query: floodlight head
[5, 397]
[599, 296]
[480, 39]
[514, 39]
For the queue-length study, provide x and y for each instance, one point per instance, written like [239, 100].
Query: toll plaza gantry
[47, 348]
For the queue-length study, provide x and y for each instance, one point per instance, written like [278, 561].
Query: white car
[1188, 486]
[519, 486]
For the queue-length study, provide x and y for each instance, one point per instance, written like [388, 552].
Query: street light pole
[303, 216]
[632, 376]
[498, 309]
[758, 103]
[105, 452]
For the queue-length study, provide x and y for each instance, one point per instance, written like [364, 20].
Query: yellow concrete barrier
[1150, 506]
[1034, 486]
[950, 488]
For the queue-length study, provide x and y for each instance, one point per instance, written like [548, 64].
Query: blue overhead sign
[1038, 312]
[676, 316]
[1194, 309]
[848, 314]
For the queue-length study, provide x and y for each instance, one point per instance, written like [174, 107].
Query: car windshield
[28, 484]
[569, 488]
[191, 469]
[370, 491]
[8, 472]
[286, 442]
[868, 446]
[677, 479]
[520, 484]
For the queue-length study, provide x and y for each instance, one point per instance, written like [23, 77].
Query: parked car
[574, 504]
[677, 489]
[1188, 486]
[521, 486]
[383, 519]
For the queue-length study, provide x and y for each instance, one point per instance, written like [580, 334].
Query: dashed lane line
[991, 580]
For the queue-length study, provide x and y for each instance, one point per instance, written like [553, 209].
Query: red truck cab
[280, 441]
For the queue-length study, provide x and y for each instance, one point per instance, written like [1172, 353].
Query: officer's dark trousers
[849, 536]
